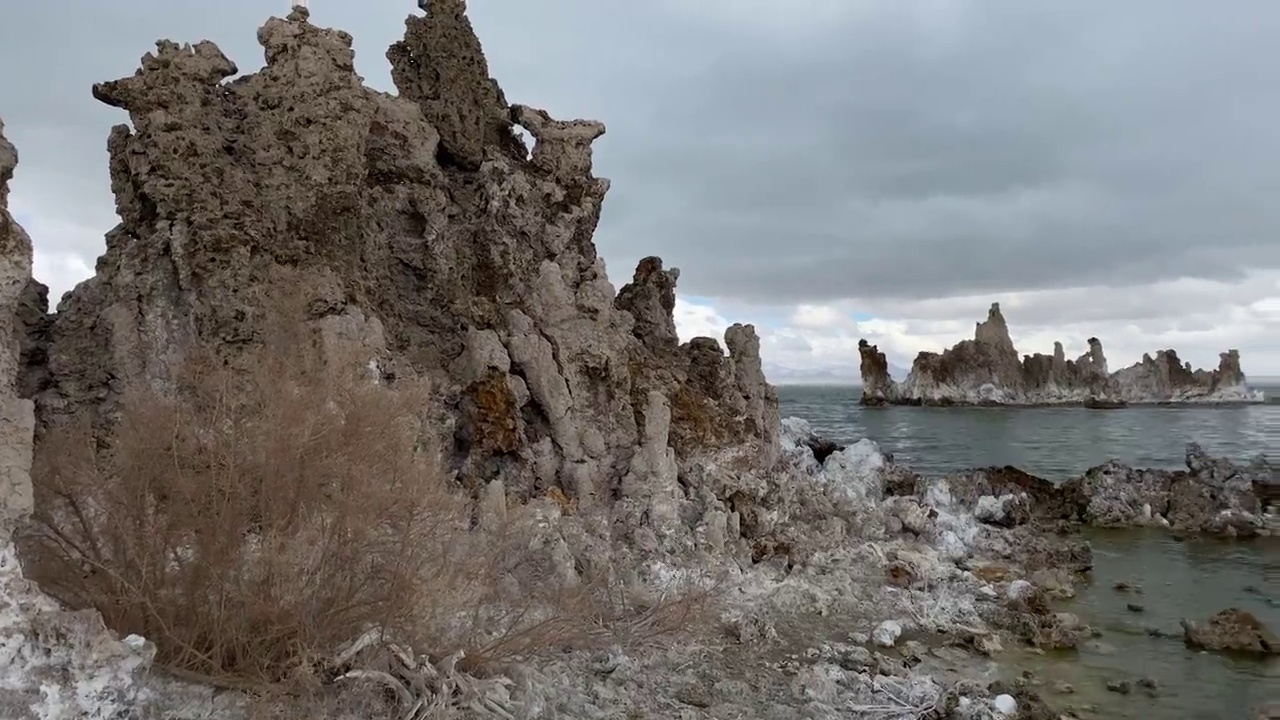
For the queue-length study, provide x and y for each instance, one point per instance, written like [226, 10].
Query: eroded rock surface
[987, 371]
[1231, 630]
[55, 664]
[1213, 495]
[419, 229]
[16, 421]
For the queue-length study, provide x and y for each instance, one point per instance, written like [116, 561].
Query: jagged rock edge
[986, 370]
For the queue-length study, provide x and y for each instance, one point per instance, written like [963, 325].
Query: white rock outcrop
[887, 633]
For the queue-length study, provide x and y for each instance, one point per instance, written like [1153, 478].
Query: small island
[987, 371]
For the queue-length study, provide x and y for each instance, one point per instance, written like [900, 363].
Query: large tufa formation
[16, 420]
[420, 229]
[987, 371]
[1167, 376]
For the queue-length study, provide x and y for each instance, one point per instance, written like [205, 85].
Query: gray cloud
[821, 150]
[1147, 306]
[1031, 146]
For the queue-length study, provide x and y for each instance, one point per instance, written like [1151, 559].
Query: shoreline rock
[1213, 495]
[987, 371]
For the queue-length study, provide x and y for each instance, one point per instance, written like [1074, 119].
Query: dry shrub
[518, 604]
[252, 520]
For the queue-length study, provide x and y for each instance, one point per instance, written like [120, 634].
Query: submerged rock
[1032, 618]
[1124, 687]
[1266, 711]
[1232, 629]
[988, 371]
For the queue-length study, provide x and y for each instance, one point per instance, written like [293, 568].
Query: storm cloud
[992, 146]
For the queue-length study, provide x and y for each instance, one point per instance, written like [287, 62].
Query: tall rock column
[57, 664]
[992, 339]
[17, 420]
[440, 66]
[878, 387]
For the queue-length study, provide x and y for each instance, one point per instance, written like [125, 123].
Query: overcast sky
[826, 169]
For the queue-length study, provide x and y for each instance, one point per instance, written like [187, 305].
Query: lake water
[1190, 579]
[1054, 442]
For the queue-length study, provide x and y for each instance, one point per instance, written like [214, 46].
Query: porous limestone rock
[418, 229]
[1033, 619]
[987, 371]
[1233, 630]
[16, 420]
[1005, 705]
[1117, 495]
[1166, 378]
[1009, 496]
[55, 664]
[1213, 495]
[440, 66]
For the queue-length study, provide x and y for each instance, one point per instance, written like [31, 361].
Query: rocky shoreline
[900, 600]
[423, 238]
[987, 371]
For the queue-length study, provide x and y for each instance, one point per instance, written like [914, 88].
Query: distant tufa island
[987, 371]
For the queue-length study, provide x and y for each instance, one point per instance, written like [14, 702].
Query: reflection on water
[1055, 442]
[1194, 580]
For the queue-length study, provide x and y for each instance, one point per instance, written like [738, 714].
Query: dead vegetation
[253, 521]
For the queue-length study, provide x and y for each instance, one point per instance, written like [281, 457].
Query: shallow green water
[1192, 579]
